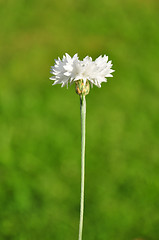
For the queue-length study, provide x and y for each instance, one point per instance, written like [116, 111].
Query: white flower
[72, 69]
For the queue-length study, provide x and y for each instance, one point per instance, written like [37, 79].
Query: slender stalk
[83, 132]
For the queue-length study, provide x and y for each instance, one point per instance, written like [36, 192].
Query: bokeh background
[40, 124]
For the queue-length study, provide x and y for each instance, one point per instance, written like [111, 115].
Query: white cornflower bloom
[69, 70]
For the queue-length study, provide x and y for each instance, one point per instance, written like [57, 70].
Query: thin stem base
[83, 132]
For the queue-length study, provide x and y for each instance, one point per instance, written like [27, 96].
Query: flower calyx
[82, 88]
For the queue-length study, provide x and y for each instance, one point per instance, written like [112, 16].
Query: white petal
[72, 69]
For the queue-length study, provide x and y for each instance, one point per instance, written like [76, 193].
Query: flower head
[69, 70]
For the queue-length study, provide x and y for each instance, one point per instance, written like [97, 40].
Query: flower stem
[83, 132]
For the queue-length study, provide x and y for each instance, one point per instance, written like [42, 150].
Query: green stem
[83, 132]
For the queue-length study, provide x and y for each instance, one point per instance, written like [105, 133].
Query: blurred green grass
[40, 124]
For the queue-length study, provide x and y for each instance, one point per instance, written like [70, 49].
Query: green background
[40, 123]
